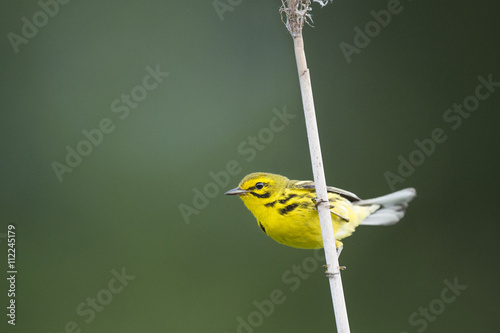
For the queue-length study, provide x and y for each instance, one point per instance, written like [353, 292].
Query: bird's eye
[259, 185]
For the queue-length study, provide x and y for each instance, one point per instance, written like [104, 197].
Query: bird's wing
[310, 185]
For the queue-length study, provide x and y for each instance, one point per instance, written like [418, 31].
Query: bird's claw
[330, 274]
[317, 202]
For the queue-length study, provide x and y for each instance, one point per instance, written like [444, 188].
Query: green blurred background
[120, 208]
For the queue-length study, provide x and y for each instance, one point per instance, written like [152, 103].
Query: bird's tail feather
[388, 209]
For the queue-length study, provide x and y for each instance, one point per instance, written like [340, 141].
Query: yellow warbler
[286, 211]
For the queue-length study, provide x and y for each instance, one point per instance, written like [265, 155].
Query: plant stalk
[325, 217]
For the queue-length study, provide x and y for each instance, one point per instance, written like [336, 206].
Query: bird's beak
[236, 191]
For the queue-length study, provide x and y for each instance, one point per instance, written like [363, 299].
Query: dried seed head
[294, 13]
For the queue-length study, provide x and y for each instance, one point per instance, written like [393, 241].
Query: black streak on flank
[306, 205]
[270, 204]
[288, 198]
[262, 196]
[288, 208]
[262, 227]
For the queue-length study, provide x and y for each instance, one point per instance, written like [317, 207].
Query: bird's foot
[330, 274]
[317, 202]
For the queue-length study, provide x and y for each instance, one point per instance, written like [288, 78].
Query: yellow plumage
[285, 209]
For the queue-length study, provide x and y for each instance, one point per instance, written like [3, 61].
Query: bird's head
[259, 188]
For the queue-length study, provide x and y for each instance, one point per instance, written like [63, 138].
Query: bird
[286, 210]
